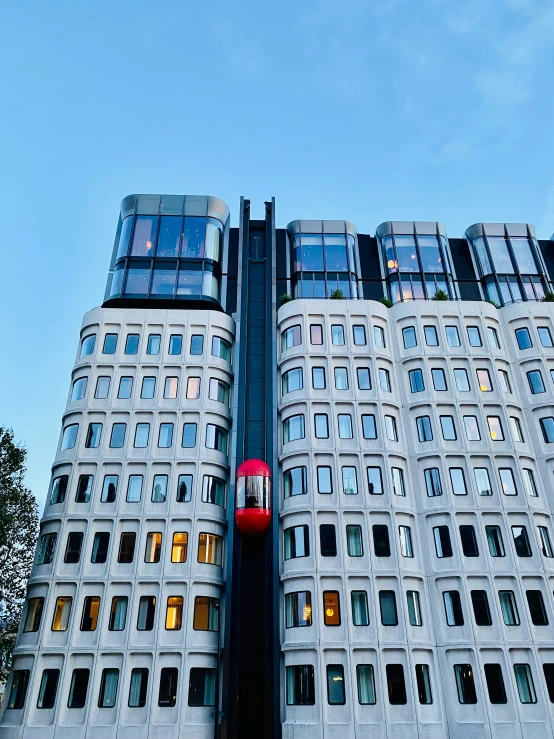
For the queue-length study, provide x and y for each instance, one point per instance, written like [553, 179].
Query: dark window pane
[395, 684]
[495, 683]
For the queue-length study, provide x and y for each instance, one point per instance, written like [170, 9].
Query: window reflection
[194, 234]
[137, 281]
[163, 282]
[322, 264]
[144, 236]
[169, 237]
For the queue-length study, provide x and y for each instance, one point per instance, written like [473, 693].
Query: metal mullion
[397, 267]
[420, 265]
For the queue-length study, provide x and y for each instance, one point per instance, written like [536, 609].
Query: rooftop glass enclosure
[323, 258]
[415, 259]
[508, 261]
[169, 247]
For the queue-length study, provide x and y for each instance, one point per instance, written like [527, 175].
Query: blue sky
[366, 110]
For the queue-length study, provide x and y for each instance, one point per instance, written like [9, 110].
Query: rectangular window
[48, 688]
[457, 480]
[94, 433]
[100, 546]
[153, 345]
[448, 428]
[545, 336]
[148, 387]
[375, 480]
[221, 348]
[291, 337]
[134, 488]
[360, 609]
[472, 428]
[165, 436]
[369, 427]
[507, 482]
[453, 608]
[395, 685]
[349, 481]
[153, 548]
[33, 615]
[358, 334]
[504, 381]
[91, 609]
[493, 337]
[391, 428]
[416, 381]
[294, 481]
[537, 610]
[62, 611]
[206, 613]
[424, 431]
[290, 382]
[293, 428]
[548, 669]
[381, 542]
[300, 685]
[508, 607]
[482, 481]
[366, 685]
[298, 609]
[465, 684]
[335, 685]
[175, 344]
[379, 337]
[536, 384]
[131, 344]
[523, 338]
[189, 436]
[174, 613]
[138, 687]
[316, 334]
[327, 540]
[469, 541]
[364, 378]
[345, 426]
[18, 692]
[547, 427]
[423, 681]
[87, 345]
[406, 548]
[443, 546]
[216, 438]
[210, 549]
[495, 683]
[521, 541]
[337, 335]
[118, 613]
[126, 552]
[171, 386]
[495, 542]
[197, 344]
[433, 482]
[321, 425]
[495, 428]
[184, 489]
[84, 488]
[117, 438]
[59, 489]
[167, 695]
[414, 608]
[46, 548]
[108, 687]
[431, 337]
[481, 610]
[474, 336]
[524, 682]
[354, 544]
[439, 379]
[331, 608]
[452, 336]
[515, 425]
[142, 432]
[213, 490]
[146, 613]
[384, 380]
[324, 480]
[461, 379]
[78, 390]
[341, 378]
[179, 546]
[409, 337]
[78, 688]
[484, 380]
[387, 605]
[125, 388]
[159, 489]
[546, 545]
[109, 489]
[397, 475]
[318, 378]
[193, 388]
[296, 542]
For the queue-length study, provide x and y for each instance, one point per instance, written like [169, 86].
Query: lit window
[331, 608]
[174, 613]
[62, 611]
[153, 548]
[495, 428]
[206, 613]
[179, 546]
[210, 549]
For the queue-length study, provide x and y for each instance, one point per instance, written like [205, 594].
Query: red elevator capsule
[252, 509]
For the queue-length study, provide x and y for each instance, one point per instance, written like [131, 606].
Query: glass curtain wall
[323, 263]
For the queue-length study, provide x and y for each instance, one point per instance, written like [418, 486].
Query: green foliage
[491, 302]
[386, 302]
[440, 295]
[285, 298]
[548, 298]
[18, 538]
[337, 295]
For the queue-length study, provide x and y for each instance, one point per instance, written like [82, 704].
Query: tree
[18, 538]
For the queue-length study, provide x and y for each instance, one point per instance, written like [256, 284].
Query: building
[404, 585]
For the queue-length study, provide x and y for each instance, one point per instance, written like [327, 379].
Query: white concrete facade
[157, 647]
[434, 643]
